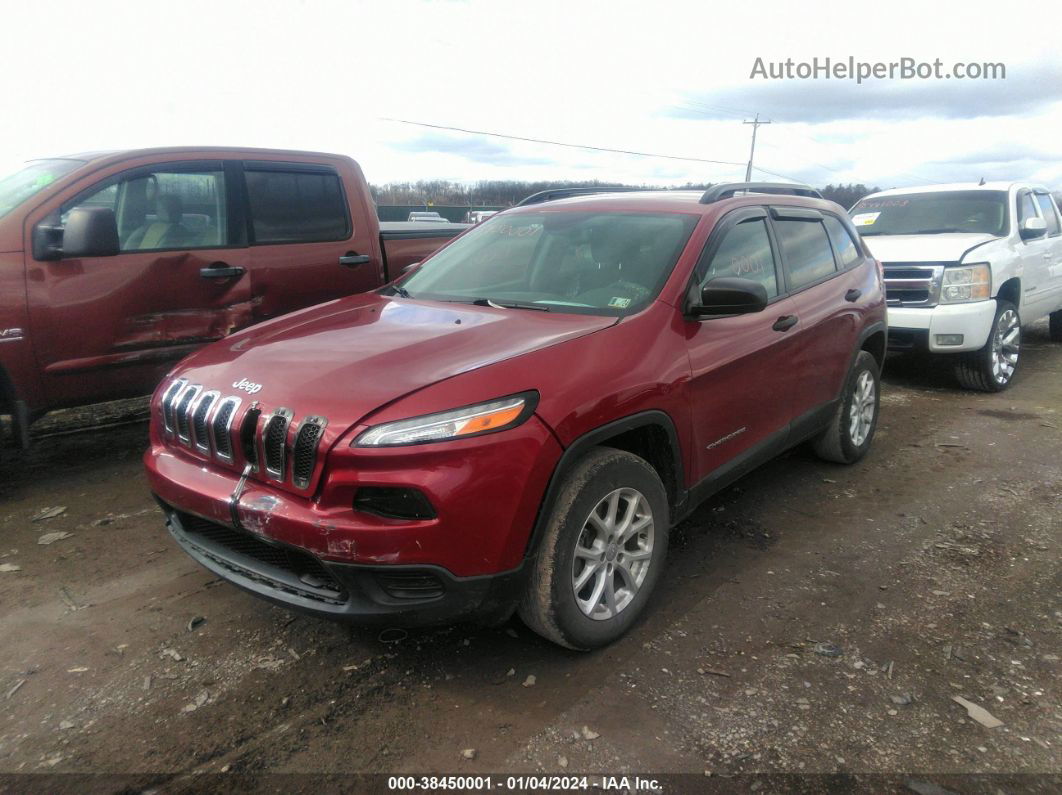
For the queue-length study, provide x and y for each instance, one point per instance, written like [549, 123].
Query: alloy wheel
[1006, 346]
[864, 404]
[613, 554]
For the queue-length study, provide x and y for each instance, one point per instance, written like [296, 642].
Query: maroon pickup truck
[115, 265]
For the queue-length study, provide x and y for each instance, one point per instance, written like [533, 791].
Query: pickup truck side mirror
[729, 295]
[90, 232]
[1032, 228]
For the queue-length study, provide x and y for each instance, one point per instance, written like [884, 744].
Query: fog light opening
[946, 340]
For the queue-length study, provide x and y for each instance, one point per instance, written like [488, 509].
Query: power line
[561, 143]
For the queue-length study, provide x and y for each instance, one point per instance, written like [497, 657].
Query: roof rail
[726, 190]
[563, 193]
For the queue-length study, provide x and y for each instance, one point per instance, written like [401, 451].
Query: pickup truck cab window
[1026, 206]
[744, 252]
[296, 205]
[585, 263]
[933, 212]
[163, 209]
[807, 252]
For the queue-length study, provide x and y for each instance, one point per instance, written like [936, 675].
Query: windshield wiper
[508, 304]
[401, 292]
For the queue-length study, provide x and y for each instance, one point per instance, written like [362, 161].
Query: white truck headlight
[497, 415]
[966, 283]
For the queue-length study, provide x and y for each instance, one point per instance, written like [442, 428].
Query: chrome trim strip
[168, 417]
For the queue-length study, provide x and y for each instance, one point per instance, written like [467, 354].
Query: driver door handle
[785, 322]
[351, 259]
[219, 270]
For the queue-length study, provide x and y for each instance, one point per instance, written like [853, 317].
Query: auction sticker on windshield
[865, 219]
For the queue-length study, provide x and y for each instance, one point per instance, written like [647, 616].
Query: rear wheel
[1054, 326]
[992, 368]
[849, 434]
[602, 552]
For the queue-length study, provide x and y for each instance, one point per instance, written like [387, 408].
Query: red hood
[348, 358]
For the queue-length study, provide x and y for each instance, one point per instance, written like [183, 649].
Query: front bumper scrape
[407, 595]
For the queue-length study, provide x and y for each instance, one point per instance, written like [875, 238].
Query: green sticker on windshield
[619, 303]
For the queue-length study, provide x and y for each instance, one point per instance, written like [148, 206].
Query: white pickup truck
[965, 267]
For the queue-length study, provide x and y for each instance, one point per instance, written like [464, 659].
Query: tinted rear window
[296, 207]
[807, 251]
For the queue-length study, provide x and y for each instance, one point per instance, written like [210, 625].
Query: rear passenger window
[296, 206]
[807, 251]
[844, 246]
[1050, 214]
[746, 253]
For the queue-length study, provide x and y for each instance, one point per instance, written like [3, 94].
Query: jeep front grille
[304, 451]
[221, 428]
[184, 412]
[275, 443]
[199, 421]
[211, 424]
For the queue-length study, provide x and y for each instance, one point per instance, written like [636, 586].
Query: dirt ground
[814, 619]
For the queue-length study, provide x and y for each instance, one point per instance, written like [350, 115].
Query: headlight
[497, 415]
[966, 283]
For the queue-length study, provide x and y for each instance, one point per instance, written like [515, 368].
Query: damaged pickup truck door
[154, 264]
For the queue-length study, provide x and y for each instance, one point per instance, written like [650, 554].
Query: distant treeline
[505, 193]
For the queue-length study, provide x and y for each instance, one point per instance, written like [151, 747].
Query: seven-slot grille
[914, 284]
[205, 420]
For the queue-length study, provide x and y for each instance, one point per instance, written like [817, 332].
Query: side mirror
[90, 232]
[729, 295]
[1032, 228]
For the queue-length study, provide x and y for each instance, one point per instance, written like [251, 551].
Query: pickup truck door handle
[219, 270]
[785, 322]
[852, 295]
[351, 259]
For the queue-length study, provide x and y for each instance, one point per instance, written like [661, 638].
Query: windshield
[972, 211]
[588, 263]
[32, 179]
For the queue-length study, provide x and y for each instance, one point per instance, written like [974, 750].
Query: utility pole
[755, 124]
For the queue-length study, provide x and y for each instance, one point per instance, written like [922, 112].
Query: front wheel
[848, 436]
[602, 552]
[992, 368]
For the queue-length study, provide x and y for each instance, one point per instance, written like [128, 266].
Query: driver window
[746, 253]
[163, 210]
[1026, 207]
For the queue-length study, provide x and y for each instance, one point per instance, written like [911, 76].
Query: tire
[1054, 326]
[586, 619]
[851, 430]
[992, 368]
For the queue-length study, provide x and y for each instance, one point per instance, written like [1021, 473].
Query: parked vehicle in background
[428, 217]
[114, 265]
[518, 423]
[478, 216]
[965, 267]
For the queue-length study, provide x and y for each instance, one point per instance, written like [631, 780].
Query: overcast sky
[665, 77]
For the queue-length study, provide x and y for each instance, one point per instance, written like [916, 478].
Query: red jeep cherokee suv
[517, 423]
